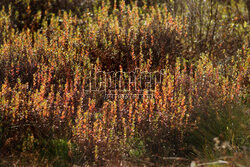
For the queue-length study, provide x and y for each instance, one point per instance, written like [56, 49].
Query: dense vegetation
[200, 110]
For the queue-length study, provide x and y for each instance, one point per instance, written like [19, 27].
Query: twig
[175, 158]
[212, 163]
[172, 158]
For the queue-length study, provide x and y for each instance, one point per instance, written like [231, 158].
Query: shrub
[46, 95]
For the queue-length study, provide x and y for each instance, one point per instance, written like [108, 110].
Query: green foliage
[221, 132]
[136, 148]
[56, 151]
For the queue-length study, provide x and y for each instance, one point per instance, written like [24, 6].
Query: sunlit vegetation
[47, 115]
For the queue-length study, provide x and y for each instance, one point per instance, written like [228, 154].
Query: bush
[46, 95]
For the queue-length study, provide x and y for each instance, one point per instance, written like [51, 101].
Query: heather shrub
[48, 106]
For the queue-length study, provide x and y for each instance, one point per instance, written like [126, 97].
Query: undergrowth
[199, 109]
